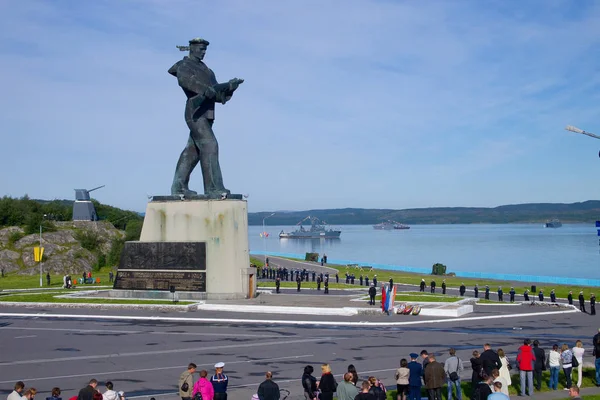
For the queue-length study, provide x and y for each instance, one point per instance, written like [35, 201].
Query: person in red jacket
[525, 361]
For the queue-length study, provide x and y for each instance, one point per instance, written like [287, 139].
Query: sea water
[571, 251]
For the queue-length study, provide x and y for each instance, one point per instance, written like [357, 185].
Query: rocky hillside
[74, 247]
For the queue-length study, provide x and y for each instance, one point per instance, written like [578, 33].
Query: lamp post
[264, 234]
[41, 280]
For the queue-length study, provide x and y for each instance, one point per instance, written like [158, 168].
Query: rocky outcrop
[63, 252]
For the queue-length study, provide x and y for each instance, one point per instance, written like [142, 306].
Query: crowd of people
[491, 377]
[90, 392]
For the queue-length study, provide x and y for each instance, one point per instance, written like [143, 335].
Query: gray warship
[317, 231]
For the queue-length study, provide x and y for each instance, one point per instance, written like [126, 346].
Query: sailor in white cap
[219, 381]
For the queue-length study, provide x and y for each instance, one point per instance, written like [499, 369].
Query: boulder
[6, 232]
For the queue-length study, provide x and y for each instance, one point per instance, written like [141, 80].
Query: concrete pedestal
[223, 226]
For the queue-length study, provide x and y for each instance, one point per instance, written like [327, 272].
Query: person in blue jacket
[414, 378]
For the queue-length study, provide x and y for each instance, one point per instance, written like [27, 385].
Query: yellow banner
[38, 253]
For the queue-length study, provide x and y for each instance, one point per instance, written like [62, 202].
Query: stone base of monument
[198, 248]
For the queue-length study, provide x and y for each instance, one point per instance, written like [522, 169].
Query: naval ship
[553, 224]
[387, 225]
[317, 231]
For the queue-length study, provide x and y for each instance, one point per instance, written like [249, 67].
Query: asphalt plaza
[145, 356]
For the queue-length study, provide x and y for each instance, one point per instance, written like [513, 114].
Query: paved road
[145, 358]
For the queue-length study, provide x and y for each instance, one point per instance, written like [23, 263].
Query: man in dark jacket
[540, 364]
[372, 293]
[487, 292]
[268, 390]
[541, 295]
[298, 282]
[592, 304]
[422, 285]
[552, 296]
[500, 293]
[462, 289]
[570, 298]
[277, 284]
[581, 302]
[87, 393]
[414, 378]
[444, 286]
[526, 295]
[432, 286]
[512, 294]
[476, 291]
[490, 360]
[434, 377]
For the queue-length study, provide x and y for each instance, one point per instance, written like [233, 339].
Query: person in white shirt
[578, 351]
[554, 364]
[110, 394]
[16, 394]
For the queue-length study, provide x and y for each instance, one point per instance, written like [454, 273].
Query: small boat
[416, 310]
[553, 224]
[389, 225]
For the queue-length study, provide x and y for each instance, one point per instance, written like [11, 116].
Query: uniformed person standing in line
[581, 302]
[326, 285]
[298, 281]
[366, 280]
[476, 291]
[375, 280]
[592, 304]
[422, 285]
[432, 286]
[570, 297]
[444, 286]
[512, 294]
[462, 289]
[337, 278]
[372, 293]
[314, 274]
[541, 295]
[277, 284]
[487, 292]
[347, 278]
[500, 294]
[318, 283]
[552, 296]
[361, 280]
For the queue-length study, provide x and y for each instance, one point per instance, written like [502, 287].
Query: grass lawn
[384, 275]
[589, 380]
[15, 281]
[45, 297]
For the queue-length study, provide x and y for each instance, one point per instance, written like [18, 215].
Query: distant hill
[587, 211]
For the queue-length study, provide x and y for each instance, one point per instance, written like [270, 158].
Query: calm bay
[571, 251]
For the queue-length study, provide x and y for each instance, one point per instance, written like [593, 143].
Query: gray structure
[83, 208]
[202, 91]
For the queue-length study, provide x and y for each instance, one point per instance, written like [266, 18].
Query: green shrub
[438, 269]
[15, 237]
[133, 230]
[116, 248]
[312, 257]
[101, 263]
[89, 240]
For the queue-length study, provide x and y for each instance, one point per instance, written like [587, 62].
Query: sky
[346, 103]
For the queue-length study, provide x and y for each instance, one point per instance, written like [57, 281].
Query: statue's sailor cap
[199, 41]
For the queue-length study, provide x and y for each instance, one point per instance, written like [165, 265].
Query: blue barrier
[464, 274]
